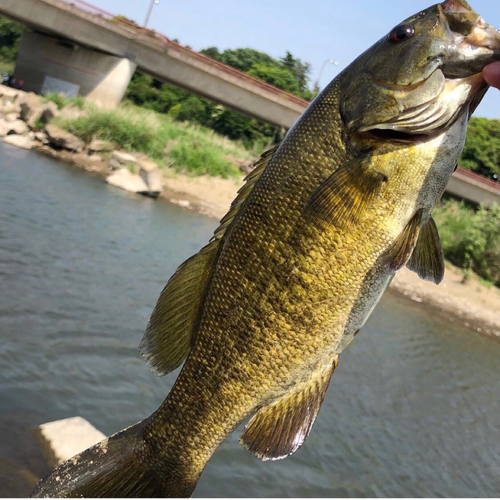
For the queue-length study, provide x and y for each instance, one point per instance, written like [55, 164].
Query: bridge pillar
[48, 64]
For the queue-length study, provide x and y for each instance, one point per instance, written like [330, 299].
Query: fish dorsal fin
[346, 194]
[169, 334]
[427, 259]
[244, 192]
[171, 329]
[279, 429]
[397, 255]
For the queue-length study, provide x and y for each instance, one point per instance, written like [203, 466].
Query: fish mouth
[432, 117]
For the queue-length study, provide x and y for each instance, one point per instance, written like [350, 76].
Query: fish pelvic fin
[346, 195]
[279, 429]
[398, 253]
[427, 259]
[115, 467]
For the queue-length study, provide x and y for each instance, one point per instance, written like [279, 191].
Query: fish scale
[261, 314]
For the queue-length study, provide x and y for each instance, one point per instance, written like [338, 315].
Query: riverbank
[473, 303]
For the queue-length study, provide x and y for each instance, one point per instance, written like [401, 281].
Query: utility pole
[149, 11]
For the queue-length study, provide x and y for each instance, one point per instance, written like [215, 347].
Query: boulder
[12, 107]
[49, 111]
[98, 146]
[4, 128]
[41, 137]
[128, 181]
[151, 175]
[73, 112]
[9, 93]
[120, 160]
[12, 117]
[59, 138]
[31, 109]
[20, 141]
[17, 127]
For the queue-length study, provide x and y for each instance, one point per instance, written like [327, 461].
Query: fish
[261, 314]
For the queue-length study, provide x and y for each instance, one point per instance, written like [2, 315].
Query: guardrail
[191, 53]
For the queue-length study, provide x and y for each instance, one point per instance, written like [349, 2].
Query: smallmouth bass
[262, 313]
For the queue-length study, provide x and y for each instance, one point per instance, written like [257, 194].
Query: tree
[482, 147]
[10, 34]
[279, 77]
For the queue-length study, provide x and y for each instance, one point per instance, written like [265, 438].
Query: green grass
[7, 67]
[62, 100]
[186, 148]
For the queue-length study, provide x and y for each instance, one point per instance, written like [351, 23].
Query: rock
[4, 128]
[20, 141]
[31, 109]
[151, 175]
[9, 93]
[41, 137]
[49, 111]
[120, 160]
[98, 146]
[18, 127]
[59, 138]
[128, 181]
[66, 438]
[12, 117]
[12, 107]
[73, 112]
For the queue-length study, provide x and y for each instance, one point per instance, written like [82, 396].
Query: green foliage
[186, 148]
[10, 34]
[471, 238]
[279, 77]
[482, 147]
[62, 100]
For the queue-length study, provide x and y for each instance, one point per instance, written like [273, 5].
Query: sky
[312, 30]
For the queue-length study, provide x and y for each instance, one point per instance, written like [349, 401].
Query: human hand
[491, 74]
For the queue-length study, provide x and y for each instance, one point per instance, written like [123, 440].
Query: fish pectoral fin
[170, 331]
[279, 429]
[397, 255]
[346, 194]
[427, 259]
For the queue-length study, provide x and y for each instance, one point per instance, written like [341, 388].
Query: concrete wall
[48, 64]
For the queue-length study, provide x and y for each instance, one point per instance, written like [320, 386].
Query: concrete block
[66, 438]
[20, 141]
[128, 181]
[151, 175]
[120, 160]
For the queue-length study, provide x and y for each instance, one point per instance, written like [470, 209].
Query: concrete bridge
[80, 49]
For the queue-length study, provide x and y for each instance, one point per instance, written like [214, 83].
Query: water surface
[413, 409]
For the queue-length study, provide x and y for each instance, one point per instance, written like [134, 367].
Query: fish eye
[401, 33]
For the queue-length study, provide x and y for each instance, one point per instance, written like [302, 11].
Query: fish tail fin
[116, 467]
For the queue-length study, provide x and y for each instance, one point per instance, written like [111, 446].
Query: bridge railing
[88, 7]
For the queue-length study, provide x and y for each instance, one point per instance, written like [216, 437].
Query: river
[413, 409]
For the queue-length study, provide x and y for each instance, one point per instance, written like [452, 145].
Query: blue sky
[313, 30]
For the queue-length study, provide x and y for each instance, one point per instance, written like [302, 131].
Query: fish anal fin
[427, 259]
[341, 199]
[398, 253]
[170, 331]
[279, 429]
